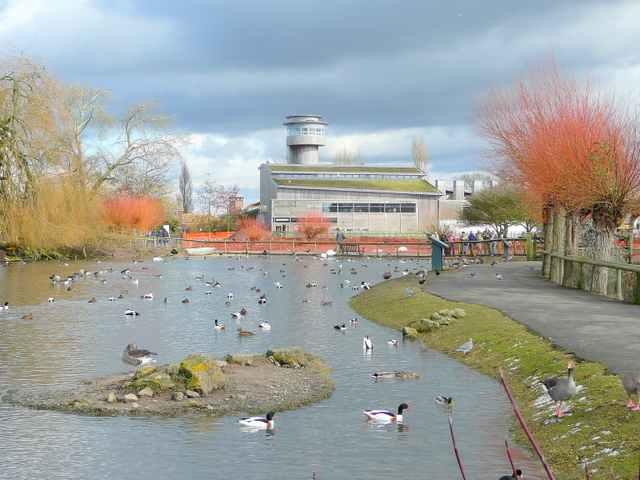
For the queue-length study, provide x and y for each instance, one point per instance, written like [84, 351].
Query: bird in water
[244, 333]
[393, 342]
[367, 344]
[516, 476]
[131, 313]
[386, 275]
[219, 326]
[560, 389]
[631, 385]
[465, 347]
[377, 375]
[132, 355]
[444, 401]
[342, 327]
[265, 326]
[385, 415]
[259, 422]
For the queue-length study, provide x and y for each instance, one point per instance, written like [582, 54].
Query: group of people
[468, 245]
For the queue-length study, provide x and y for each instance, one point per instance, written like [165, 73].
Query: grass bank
[599, 428]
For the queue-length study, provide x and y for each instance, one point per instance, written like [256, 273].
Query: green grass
[599, 429]
[359, 184]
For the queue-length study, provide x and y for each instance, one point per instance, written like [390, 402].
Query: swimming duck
[517, 476]
[186, 300]
[631, 385]
[51, 300]
[386, 275]
[393, 342]
[377, 375]
[244, 333]
[259, 422]
[445, 401]
[367, 344]
[560, 389]
[230, 295]
[219, 326]
[342, 327]
[386, 415]
[237, 315]
[265, 326]
[28, 316]
[130, 312]
[366, 285]
[93, 300]
[148, 296]
[263, 299]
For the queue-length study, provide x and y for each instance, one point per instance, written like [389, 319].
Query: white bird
[410, 293]
[230, 295]
[393, 342]
[366, 285]
[499, 277]
[147, 296]
[367, 344]
[265, 326]
[237, 315]
[130, 312]
[278, 285]
[259, 422]
[465, 347]
[219, 326]
[385, 415]
[50, 299]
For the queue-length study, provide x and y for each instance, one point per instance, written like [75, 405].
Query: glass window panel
[361, 207]
[408, 207]
[376, 207]
[345, 207]
[392, 207]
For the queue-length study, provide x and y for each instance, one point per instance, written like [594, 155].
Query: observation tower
[305, 134]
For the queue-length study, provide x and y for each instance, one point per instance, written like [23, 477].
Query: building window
[376, 207]
[408, 207]
[391, 207]
[345, 207]
[329, 207]
[361, 207]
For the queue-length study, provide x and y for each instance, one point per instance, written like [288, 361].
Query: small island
[280, 380]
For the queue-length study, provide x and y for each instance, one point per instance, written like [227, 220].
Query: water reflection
[71, 339]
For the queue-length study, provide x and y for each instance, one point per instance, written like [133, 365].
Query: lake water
[70, 339]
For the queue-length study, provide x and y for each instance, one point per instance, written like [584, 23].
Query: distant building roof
[413, 186]
[283, 168]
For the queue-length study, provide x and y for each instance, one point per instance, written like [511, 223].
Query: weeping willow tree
[60, 152]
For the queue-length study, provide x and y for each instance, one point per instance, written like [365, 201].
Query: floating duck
[244, 333]
[367, 344]
[354, 321]
[93, 300]
[219, 326]
[29, 316]
[186, 300]
[262, 300]
[377, 375]
[131, 313]
[131, 355]
[366, 285]
[342, 327]
[445, 401]
[148, 296]
[393, 342]
[237, 315]
[385, 415]
[514, 476]
[259, 422]
[265, 326]
[561, 389]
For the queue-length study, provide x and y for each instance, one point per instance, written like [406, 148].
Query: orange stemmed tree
[253, 229]
[139, 213]
[570, 144]
[313, 224]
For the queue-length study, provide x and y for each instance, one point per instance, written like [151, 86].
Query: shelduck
[265, 326]
[342, 327]
[219, 326]
[385, 415]
[259, 422]
[130, 312]
[367, 344]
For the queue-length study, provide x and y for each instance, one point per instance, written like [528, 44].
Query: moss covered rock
[202, 373]
[409, 333]
[293, 357]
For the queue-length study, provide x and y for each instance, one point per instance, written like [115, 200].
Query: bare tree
[215, 199]
[185, 190]
[346, 156]
[420, 154]
[470, 177]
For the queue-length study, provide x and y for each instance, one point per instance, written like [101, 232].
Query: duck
[263, 299]
[93, 300]
[28, 316]
[517, 476]
[148, 296]
[445, 401]
[131, 313]
[131, 355]
[237, 315]
[386, 275]
[244, 333]
[377, 375]
[561, 389]
[278, 285]
[51, 299]
[367, 344]
[385, 415]
[186, 300]
[631, 385]
[393, 342]
[188, 289]
[465, 347]
[219, 326]
[342, 327]
[366, 285]
[265, 326]
[259, 422]
[230, 295]
[111, 299]
[354, 321]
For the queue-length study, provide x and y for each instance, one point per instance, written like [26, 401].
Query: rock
[146, 392]
[293, 357]
[194, 403]
[248, 359]
[111, 398]
[402, 374]
[177, 396]
[157, 381]
[130, 397]
[192, 394]
[135, 405]
[409, 333]
[425, 325]
[202, 373]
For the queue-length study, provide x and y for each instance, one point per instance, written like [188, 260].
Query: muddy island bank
[280, 380]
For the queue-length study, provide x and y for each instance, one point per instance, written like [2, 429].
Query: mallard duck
[445, 401]
[244, 333]
[385, 415]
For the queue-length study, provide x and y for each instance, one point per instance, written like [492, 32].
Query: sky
[380, 72]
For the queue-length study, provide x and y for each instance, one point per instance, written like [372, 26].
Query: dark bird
[422, 281]
[517, 476]
[437, 272]
[631, 385]
[473, 274]
[386, 275]
[342, 327]
[560, 389]
[131, 355]
[494, 263]
[244, 333]
[27, 317]
[186, 300]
